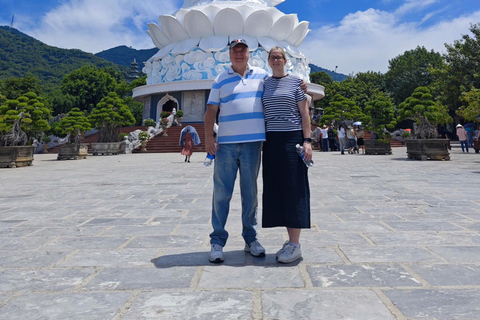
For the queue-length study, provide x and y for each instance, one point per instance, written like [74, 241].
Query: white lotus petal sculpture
[207, 26]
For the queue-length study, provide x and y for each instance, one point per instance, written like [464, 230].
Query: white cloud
[93, 25]
[366, 40]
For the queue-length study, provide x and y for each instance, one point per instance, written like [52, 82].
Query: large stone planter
[11, 157]
[108, 148]
[425, 149]
[72, 151]
[377, 147]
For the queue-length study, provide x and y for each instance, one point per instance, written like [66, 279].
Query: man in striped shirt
[237, 94]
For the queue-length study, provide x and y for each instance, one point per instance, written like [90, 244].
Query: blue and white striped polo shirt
[241, 117]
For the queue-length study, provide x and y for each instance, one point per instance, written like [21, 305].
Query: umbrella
[346, 122]
[357, 123]
[469, 127]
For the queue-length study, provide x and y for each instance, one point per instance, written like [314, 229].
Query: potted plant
[21, 121]
[380, 116]
[143, 137]
[179, 117]
[427, 114]
[164, 125]
[149, 123]
[110, 114]
[74, 124]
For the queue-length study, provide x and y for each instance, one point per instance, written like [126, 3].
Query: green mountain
[335, 76]
[124, 55]
[22, 55]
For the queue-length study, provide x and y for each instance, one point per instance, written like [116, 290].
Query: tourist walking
[351, 140]
[359, 133]
[236, 93]
[341, 139]
[324, 131]
[462, 136]
[188, 139]
[331, 139]
[286, 193]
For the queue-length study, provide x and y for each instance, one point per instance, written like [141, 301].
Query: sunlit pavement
[126, 237]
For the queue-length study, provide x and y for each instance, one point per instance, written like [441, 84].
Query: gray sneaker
[255, 249]
[279, 252]
[290, 253]
[216, 254]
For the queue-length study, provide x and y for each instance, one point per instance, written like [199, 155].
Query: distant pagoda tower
[193, 50]
[134, 73]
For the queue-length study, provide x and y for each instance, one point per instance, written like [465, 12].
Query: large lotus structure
[193, 43]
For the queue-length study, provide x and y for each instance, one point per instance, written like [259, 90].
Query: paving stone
[43, 280]
[437, 304]
[324, 305]
[361, 276]
[166, 242]
[200, 305]
[387, 254]
[459, 254]
[14, 244]
[449, 275]
[140, 230]
[251, 277]
[422, 226]
[72, 243]
[117, 221]
[352, 226]
[59, 306]
[30, 259]
[332, 239]
[419, 238]
[111, 258]
[68, 231]
[142, 278]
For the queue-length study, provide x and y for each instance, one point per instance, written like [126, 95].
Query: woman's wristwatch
[307, 140]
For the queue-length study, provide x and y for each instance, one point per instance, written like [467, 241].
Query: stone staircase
[170, 143]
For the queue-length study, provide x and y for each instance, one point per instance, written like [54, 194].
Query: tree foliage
[74, 123]
[30, 113]
[380, 114]
[110, 114]
[14, 88]
[461, 72]
[470, 110]
[411, 70]
[341, 108]
[88, 85]
[427, 114]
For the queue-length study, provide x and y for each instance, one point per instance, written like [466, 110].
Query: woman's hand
[307, 147]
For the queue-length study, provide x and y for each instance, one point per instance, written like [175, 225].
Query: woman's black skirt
[286, 193]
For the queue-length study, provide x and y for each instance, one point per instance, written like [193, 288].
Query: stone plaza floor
[126, 237]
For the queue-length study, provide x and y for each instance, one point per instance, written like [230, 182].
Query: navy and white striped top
[241, 116]
[280, 103]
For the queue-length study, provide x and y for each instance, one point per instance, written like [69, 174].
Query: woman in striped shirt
[286, 192]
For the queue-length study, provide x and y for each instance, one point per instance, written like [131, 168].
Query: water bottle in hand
[208, 160]
[301, 153]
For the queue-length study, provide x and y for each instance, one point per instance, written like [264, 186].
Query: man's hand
[307, 147]
[211, 145]
[304, 86]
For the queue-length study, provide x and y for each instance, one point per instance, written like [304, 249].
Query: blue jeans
[230, 158]
[470, 138]
[464, 143]
[342, 144]
[325, 145]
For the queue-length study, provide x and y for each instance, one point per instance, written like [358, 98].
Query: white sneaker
[216, 254]
[279, 252]
[255, 249]
[290, 253]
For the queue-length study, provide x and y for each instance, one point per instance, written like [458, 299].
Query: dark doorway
[169, 105]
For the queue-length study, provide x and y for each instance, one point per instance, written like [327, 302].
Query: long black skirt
[286, 192]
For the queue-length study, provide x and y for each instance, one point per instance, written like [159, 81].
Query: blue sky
[355, 35]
